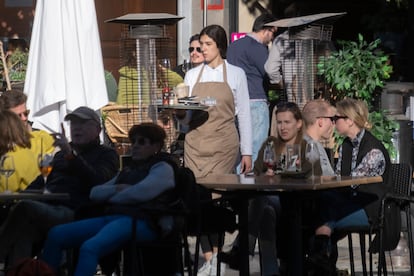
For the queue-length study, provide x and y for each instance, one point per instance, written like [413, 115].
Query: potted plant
[358, 70]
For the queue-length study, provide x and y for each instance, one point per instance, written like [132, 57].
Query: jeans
[27, 224]
[96, 238]
[342, 209]
[260, 126]
[264, 212]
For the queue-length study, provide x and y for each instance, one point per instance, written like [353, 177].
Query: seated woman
[264, 211]
[15, 141]
[149, 179]
[361, 154]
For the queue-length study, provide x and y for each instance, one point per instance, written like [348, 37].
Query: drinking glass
[312, 155]
[45, 163]
[269, 157]
[7, 169]
[186, 65]
[165, 63]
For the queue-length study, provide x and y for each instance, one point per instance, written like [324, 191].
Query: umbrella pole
[6, 70]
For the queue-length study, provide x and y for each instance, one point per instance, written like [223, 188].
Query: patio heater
[143, 44]
[306, 39]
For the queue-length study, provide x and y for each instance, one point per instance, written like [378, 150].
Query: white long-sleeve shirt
[236, 78]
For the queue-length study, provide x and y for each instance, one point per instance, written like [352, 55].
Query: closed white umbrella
[65, 68]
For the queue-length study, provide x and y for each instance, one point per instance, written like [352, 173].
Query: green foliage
[382, 129]
[273, 95]
[356, 70]
[17, 65]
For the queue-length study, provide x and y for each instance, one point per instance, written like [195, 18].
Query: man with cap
[77, 167]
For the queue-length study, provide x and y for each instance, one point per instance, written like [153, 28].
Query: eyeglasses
[191, 49]
[333, 118]
[141, 141]
[24, 114]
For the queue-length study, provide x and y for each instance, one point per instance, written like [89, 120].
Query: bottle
[166, 95]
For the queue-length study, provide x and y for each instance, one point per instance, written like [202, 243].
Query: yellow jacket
[26, 161]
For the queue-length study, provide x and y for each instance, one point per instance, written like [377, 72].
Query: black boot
[319, 259]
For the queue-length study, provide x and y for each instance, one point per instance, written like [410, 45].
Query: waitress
[213, 146]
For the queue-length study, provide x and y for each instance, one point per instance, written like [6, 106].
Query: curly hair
[153, 132]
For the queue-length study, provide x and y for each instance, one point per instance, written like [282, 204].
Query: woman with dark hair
[13, 132]
[212, 145]
[196, 56]
[149, 178]
[15, 141]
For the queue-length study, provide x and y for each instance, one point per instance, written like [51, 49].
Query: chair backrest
[401, 177]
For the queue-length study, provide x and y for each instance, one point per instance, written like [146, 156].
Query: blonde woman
[361, 154]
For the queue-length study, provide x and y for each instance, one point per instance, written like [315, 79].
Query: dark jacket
[76, 175]
[377, 190]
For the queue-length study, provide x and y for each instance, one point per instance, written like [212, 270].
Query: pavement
[398, 262]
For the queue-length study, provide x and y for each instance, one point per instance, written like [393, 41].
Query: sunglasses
[141, 141]
[191, 49]
[333, 118]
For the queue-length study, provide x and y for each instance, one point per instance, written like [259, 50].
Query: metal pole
[205, 13]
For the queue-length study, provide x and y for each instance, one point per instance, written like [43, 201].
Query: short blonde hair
[356, 110]
[314, 109]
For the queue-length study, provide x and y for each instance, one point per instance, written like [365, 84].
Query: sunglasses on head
[191, 49]
[333, 118]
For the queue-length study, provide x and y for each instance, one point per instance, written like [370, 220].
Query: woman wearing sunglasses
[196, 56]
[361, 154]
[148, 179]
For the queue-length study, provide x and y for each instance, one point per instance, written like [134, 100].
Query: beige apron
[213, 147]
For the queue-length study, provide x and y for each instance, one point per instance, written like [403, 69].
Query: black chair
[401, 195]
[401, 175]
[211, 217]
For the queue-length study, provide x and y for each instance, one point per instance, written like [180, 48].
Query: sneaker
[205, 270]
[213, 271]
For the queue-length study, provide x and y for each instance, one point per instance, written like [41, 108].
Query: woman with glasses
[196, 56]
[361, 154]
[148, 179]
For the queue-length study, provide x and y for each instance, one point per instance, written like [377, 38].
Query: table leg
[296, 252]
[241, 206]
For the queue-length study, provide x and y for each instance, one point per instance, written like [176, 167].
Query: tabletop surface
[279, 183]
[184, 106]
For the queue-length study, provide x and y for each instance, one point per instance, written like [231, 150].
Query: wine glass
[312, 155]
[7, 169]
[186, 65]
[45, 163]
[165, 63]
[269, 157]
